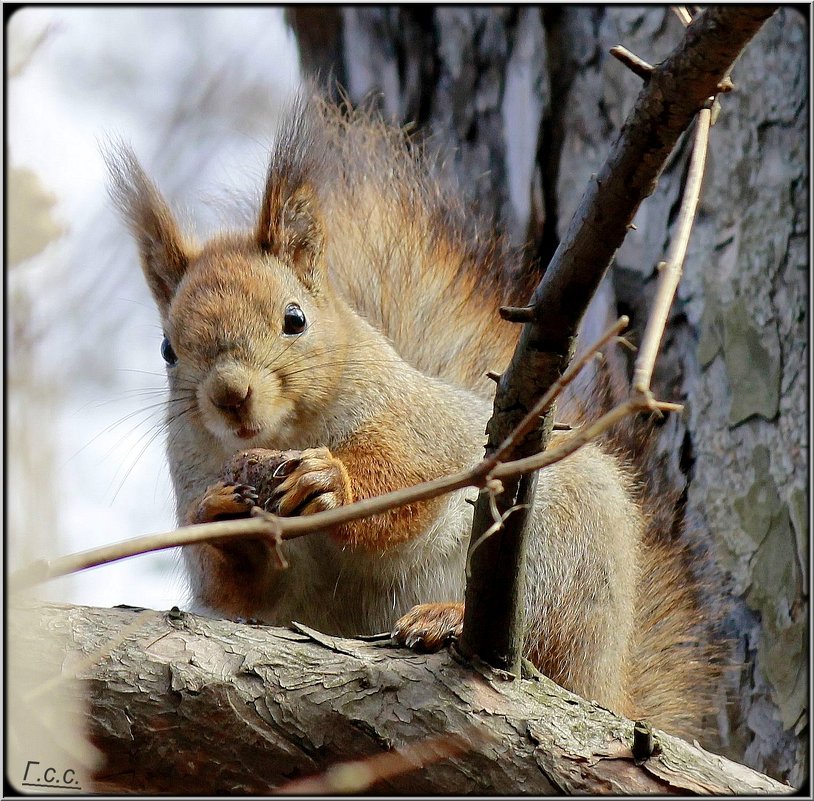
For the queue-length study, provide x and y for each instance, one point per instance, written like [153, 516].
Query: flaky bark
[179, 703]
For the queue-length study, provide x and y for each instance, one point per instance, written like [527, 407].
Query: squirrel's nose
[231, 397]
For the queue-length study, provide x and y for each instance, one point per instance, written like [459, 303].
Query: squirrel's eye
[167, 353]
[294, 321]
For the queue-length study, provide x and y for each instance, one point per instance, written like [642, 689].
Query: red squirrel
[353, 324]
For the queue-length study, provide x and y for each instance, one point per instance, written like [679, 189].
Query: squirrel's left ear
[290, 228]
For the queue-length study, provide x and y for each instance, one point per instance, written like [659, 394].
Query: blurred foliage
[31, 226]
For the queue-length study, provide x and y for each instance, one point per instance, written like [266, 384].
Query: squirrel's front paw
[316, 481]
[223, 501]
[429, 627]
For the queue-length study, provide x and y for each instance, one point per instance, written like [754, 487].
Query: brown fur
[679, 650]
[362, 461]
[429, 627]
[384, 389]
[238, 575]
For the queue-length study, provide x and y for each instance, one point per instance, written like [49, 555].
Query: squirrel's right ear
[164, 251]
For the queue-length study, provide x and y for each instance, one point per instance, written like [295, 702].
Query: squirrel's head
[250, 342]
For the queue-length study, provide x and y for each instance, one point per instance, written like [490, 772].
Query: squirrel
[353, 323]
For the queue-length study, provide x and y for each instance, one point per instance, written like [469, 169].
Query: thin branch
[671, 268]
[583, 435]
[681, 12]
[46, 569]
[516, 314]
[500, 521]
[360, 775]
[532, 420]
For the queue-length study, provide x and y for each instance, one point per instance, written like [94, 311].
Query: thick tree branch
[675, 91]
[190, 705]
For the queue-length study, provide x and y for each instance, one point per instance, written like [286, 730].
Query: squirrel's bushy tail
[676, 660]
[404, 252]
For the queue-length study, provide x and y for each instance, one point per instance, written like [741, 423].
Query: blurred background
[197, 92]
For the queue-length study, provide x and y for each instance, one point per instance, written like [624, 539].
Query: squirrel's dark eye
[167, 353]
[294, 321]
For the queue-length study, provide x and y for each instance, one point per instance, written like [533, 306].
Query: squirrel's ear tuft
[165, 254]
[290, 228]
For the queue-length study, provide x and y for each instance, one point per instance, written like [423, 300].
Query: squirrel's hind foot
[427, 628]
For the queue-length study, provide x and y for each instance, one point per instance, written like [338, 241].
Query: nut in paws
[262, 468]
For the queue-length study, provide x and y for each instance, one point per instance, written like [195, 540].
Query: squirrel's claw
[244, 493]
[318, 482]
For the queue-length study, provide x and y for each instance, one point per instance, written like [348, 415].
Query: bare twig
[45, 569]
[726, 85]
[683, 15]
[671, 268]
[517, 314]
[644, 70]
[361, 774]
[532, 419]
[635, 64]
[500, 520]
[583, 435]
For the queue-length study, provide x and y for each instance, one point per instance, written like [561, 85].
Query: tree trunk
[184, 704]
[531, 102]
